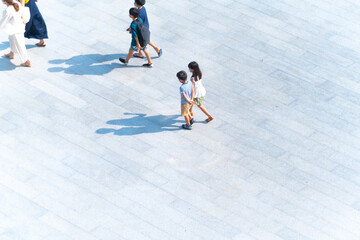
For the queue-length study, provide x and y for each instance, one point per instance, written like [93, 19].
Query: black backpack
[143, 33]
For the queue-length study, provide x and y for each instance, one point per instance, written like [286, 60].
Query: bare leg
[147, 54]
[191, 110]
[129, 55]
[187, 120]
[151, 43]
[206, 113]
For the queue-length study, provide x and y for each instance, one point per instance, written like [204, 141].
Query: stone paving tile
[90, 149]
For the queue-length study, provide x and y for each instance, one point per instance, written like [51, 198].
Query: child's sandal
[136, 55]
[187, 127]
[209, 119]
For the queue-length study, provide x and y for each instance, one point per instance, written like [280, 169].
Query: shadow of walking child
[6, 64]
[140, 123]
[89, 64]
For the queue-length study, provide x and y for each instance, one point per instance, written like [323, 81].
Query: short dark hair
[134, 12]
[182, 75]
[140, 2]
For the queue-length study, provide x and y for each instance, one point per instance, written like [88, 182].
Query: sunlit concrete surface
[93, 150]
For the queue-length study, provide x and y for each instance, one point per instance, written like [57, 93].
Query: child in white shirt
[200, 91]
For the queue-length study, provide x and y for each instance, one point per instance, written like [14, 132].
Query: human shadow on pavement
[6, 64]
[4, 45]
[89, 64]
[29, 46]
[140, 123]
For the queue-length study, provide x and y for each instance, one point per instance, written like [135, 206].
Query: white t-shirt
[12, 21]
[199, 89]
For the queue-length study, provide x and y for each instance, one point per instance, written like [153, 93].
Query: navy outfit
[143, 16]
[36, 27]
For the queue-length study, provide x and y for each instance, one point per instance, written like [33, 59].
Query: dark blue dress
[36, 27]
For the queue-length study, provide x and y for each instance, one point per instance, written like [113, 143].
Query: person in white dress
[200, 91]
[13, 23]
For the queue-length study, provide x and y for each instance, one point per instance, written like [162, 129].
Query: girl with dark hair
[200, 91]
[36, 27]
[13, 23]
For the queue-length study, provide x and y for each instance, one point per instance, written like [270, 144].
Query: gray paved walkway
[90, 149]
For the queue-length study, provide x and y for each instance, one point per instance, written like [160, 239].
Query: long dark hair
[197, 75]
[14, 4]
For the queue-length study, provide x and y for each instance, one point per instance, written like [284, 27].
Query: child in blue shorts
[143, 16]
[135, 45]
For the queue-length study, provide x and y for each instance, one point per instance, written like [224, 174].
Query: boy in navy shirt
[135, 45]
[143, 16]
[186, 93]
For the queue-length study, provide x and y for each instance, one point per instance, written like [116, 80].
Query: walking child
[143, 15]
[135, 44]
[199, 89]
[186, 92]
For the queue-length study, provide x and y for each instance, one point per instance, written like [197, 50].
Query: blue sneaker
[187, 127]
[192, 121]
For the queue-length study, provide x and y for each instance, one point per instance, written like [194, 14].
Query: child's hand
[192, 102]
[139, 47]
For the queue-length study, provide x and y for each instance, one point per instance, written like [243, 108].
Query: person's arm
[186, 99]
[192, 94]
[22, 2]
[5, 19]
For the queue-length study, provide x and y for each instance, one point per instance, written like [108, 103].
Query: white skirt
[17, 45]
